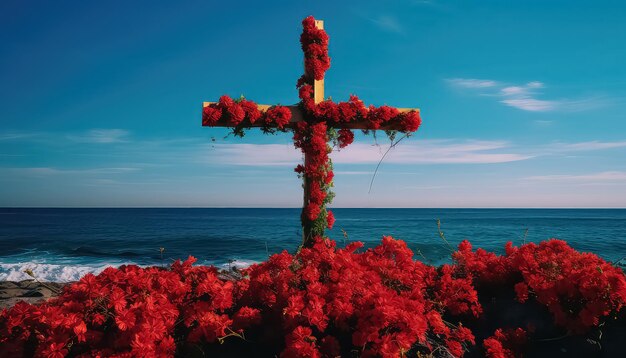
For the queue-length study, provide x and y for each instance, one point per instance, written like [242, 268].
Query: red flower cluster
[312, 139]
[321, 302]
[354, 110]
[330, 219]
[380, 303]
[505, 343]
[579, 289]
[243, 113]
[315, 47]
[346, 137]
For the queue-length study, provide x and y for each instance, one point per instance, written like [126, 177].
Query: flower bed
[325, 302]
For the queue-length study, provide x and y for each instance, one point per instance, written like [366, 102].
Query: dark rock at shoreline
[29, 291]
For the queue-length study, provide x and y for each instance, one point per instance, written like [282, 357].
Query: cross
[313, 121]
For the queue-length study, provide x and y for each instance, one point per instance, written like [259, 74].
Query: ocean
[64, 244]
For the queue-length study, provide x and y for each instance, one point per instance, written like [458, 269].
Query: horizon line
[340, 207]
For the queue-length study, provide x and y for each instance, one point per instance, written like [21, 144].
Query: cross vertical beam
[318, 96]
[318, 85]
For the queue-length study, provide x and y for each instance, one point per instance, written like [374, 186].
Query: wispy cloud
[430, 187]
[441, 151]
[17, 135]
[252, 154]
[40, 171]
[422, 152]
[531, 104]
[618, 177]
[526, 97]
[523, 97]
[471, 83]
[568, 149]
[388, 23]
[352, 172]
[101, 136]
[433, 152]
[587, 146]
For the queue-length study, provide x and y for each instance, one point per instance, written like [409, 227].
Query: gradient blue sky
[523, 102]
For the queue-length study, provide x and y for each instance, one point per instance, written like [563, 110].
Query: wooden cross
[297, 115]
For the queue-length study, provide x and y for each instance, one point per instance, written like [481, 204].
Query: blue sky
[523, 102]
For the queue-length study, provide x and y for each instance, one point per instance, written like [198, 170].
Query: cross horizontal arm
[297, 116]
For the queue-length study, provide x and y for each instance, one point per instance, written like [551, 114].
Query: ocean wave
[68, 273]
[90, 251]
[48, 272]
[238, 264]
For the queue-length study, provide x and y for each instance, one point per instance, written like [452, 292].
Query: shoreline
[29, 291]
[33, 292]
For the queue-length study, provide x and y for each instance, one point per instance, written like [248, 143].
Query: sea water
[65, 244]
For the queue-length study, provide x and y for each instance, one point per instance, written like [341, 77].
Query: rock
[29, 291]
[32, 293]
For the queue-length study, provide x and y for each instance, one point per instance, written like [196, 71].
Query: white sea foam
[47, 272]
[70, 272]
[238, 264]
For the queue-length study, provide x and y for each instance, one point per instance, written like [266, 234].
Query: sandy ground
[30, 291]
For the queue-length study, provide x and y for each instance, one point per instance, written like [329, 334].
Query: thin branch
[553, 338]
[30, 273]
[443, 236]
[383, 158]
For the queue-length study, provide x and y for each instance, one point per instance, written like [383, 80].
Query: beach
[29, 291]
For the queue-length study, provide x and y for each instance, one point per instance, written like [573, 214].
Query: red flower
[236, 114]
[316, 194]
[125, 320]
[167, 346]
[505, 343]
[245, 317]
[330, 219]
[494, 349]
[329, 177]
[346, 137]
[347, 112]
[79, 330]
[278, 115]
[315, 47]
[251, 109]
[378, 116]
[521, 289]
[300, 343]
[312, 211]
[211, 115]
[411, 121]
[117, 300]
[225, 102]
[55, 350]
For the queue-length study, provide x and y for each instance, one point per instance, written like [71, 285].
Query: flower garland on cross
[314, 122]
